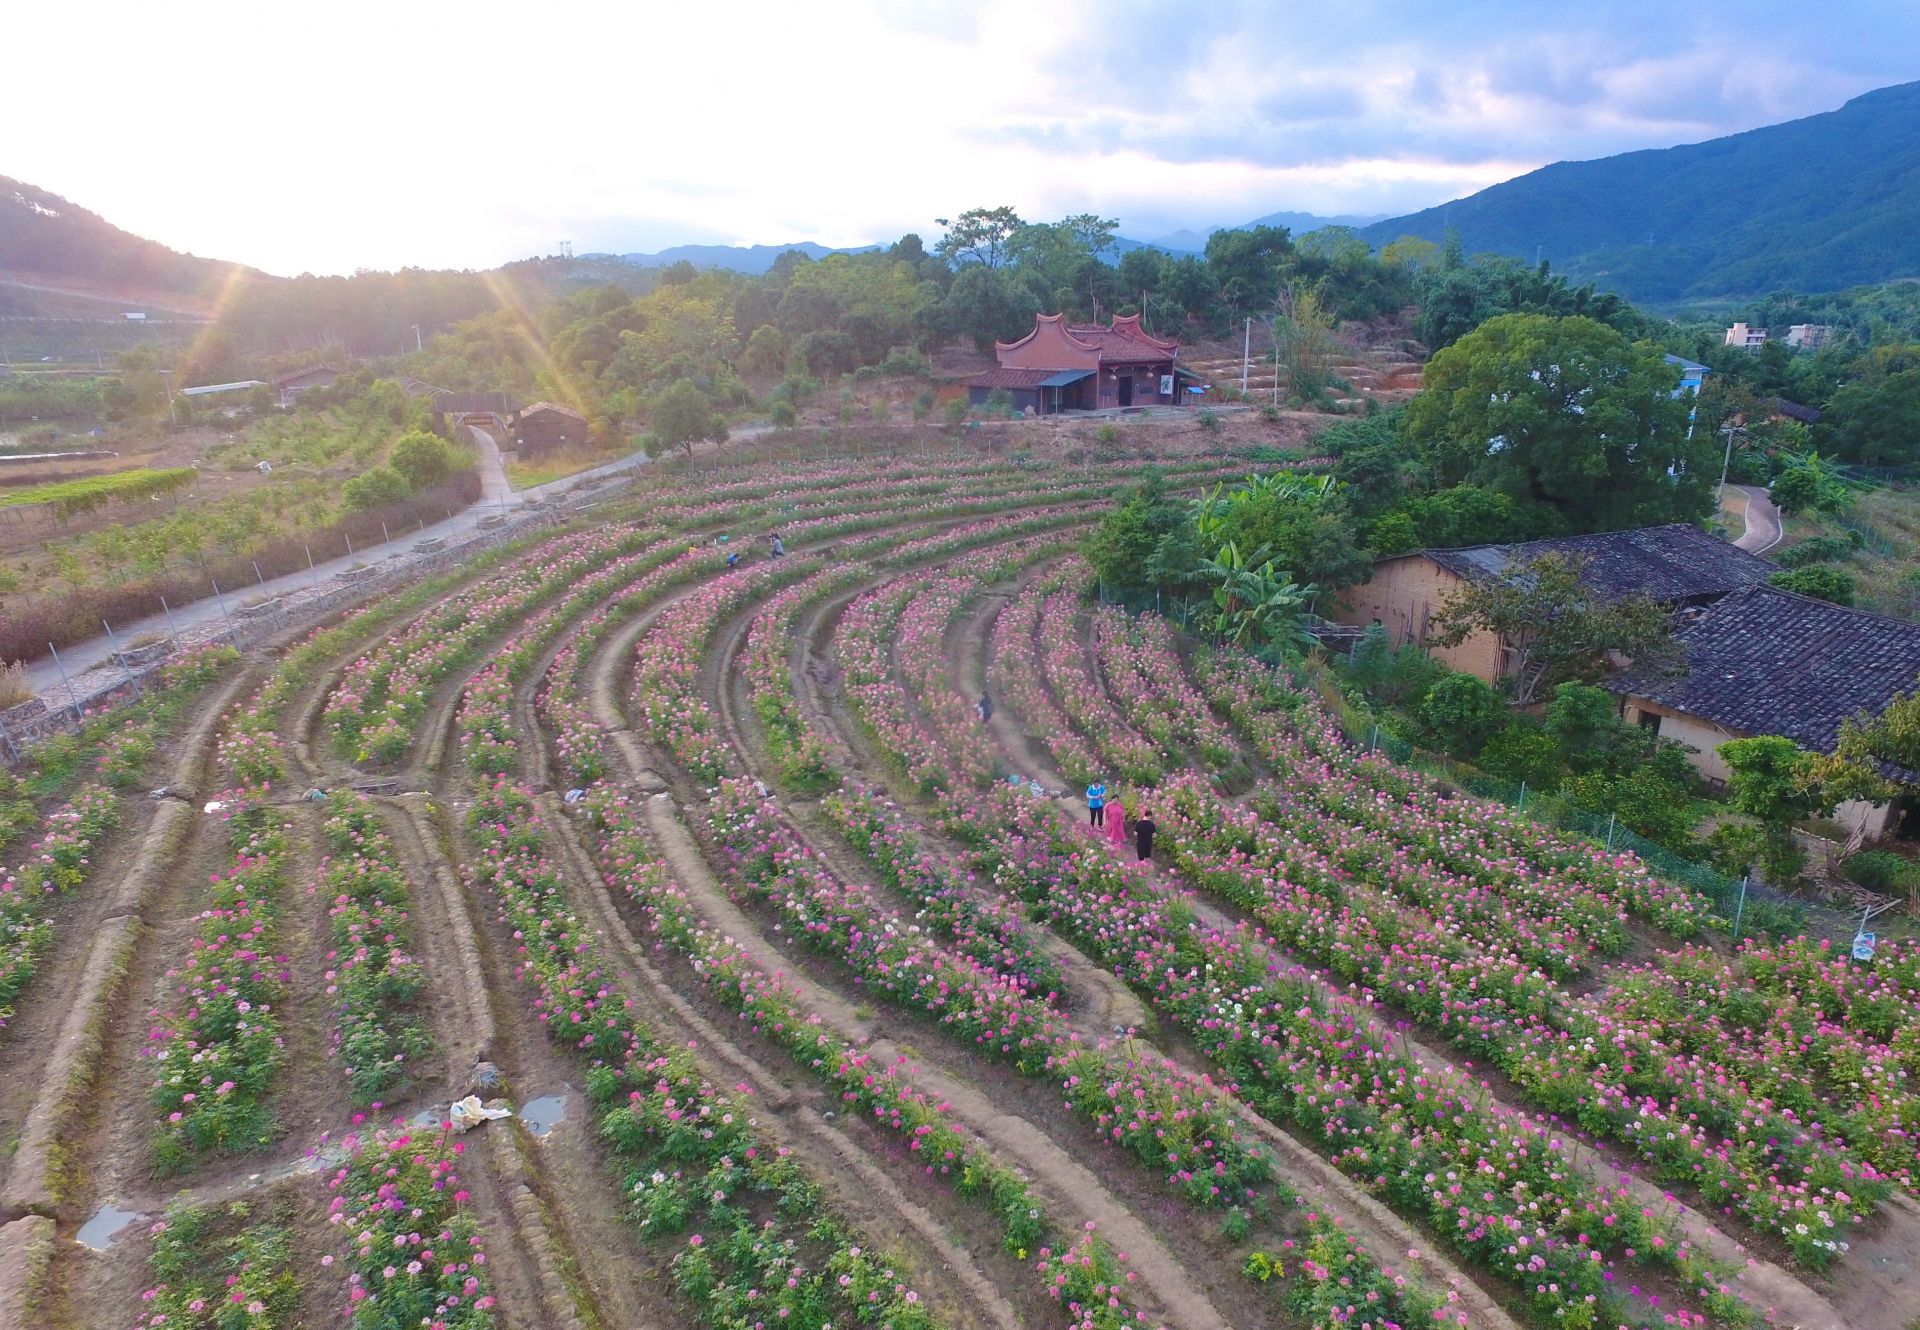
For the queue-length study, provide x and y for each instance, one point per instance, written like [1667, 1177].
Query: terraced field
[814, 1018]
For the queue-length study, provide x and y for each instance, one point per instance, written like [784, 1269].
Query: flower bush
[225, 1268]
[411, 1251]
[217, 1041]
[373, 975]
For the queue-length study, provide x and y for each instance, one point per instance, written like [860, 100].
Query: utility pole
[418, 345]
[1246, 355]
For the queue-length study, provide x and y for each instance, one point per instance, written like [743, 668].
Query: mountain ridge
[1820, 203]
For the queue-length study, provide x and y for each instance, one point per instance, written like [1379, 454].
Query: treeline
[774, 338]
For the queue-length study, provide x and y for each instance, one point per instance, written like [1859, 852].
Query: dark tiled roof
[1665, 563]
[283, 380]
[452, 403]
[1765, 661]
[1806, 415]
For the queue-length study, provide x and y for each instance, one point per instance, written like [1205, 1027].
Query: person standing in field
[1116, 820]
[1143, 830]
[779, 546]
[1096, 803]
[985, 707]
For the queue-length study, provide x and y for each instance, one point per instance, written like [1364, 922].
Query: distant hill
[1817, 204]
[750, 259]
[1302, 222]
[45, 241]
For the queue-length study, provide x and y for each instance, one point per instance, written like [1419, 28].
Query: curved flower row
[1220, 985]
[1141, 666]
[829, 910]
[61, 859]
[1306, 748]
[373, 975]
[1796, 1025]
[1087, 1277]
[217, 1043]
[1081, 695]
[1172, 1121]
[1566, 1053]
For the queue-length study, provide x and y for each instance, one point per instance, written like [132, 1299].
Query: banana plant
[1256, 605]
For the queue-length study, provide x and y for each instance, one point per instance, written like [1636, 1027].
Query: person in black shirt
[985, 707]
[1143, 830]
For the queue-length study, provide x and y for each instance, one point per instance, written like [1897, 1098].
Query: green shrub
[1882, 871]
[373, 489]
[424, 459]
[1464, 713]
[1396, 676]
[1522, 753]
[999, 402]
[1830, 584]
[1819, 549]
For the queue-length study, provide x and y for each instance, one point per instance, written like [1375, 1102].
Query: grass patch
[526, 475]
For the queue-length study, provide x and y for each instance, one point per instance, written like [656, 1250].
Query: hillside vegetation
[1814, 204]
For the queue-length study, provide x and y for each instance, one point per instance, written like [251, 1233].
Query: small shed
[290, 386]
[546, 427]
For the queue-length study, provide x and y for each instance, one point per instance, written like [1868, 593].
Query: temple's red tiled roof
[1122, 342]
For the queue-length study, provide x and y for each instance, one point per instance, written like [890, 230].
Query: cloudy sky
[333, 137]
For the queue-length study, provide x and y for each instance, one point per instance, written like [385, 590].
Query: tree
[1567, 414]
[1830, 584]
[1776, 782]
[682, 417]
[766, 353]
[1553, 626]
[978, 235]
[424, 459]
[1464, 713]
[374, 489]
[1257, 606]
[1809, 481]
[1122, 546]
[1303, 344]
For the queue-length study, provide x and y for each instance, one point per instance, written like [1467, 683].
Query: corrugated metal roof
[1065, 377]
[206, 388]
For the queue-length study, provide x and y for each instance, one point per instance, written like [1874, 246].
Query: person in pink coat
[1116, 821]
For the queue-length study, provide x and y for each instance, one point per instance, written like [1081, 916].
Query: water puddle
[98, 1232]
[542, 1115]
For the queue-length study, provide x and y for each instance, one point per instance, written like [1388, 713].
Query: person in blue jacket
[1097, 803]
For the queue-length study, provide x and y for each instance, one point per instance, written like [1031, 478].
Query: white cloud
[361, 135]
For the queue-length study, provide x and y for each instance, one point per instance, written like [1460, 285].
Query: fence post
[1612, 818]
[1373, 739]
[1523, 796]
[65, 682]
[118, 654]
[1740, 909]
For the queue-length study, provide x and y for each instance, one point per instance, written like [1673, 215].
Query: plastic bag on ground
[470, 1112]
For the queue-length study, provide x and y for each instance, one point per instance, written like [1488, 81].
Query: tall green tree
[682, 417]
[1565, 413]
[978, 236]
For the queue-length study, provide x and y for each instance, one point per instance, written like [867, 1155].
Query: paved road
[45, 675]
[1764, 528]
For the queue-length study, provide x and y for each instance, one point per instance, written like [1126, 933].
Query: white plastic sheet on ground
[470, 1112]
